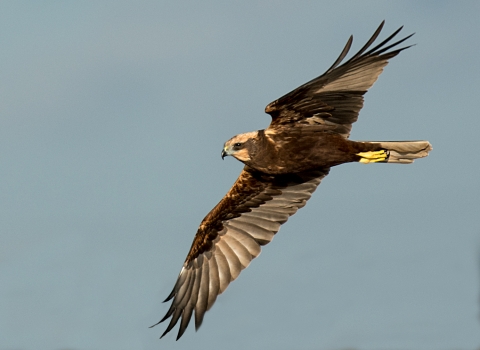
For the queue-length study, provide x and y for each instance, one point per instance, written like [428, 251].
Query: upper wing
[334, 99]
[230, 236]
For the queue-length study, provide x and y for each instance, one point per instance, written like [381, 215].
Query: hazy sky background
[112, 119]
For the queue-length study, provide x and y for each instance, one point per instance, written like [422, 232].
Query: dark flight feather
[225, 244]
[335, 98]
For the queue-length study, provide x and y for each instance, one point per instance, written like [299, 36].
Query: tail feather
[405, 152]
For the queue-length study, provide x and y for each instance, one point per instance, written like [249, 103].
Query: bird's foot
[373, 156]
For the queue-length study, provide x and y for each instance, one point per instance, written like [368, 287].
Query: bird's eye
[238, 144]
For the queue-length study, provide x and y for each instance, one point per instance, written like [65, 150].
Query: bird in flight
[284, 164]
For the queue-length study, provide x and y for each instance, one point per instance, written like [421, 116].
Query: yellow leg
[373, 156]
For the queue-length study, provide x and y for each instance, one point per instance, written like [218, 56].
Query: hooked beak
[225, 152]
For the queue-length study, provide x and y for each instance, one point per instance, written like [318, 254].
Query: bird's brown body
[303, 149]
[284, 164]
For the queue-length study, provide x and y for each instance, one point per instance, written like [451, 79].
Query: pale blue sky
[112, 119]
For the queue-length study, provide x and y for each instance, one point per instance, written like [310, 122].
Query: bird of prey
[284, 164]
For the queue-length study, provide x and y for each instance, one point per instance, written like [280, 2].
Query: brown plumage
[284, 164]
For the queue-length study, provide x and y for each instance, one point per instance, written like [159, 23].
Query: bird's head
[240, 146]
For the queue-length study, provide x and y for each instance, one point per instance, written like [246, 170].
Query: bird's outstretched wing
[334, 99]
[230, 236]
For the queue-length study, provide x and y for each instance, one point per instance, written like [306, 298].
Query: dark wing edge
[335, 98]
[230, 237]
